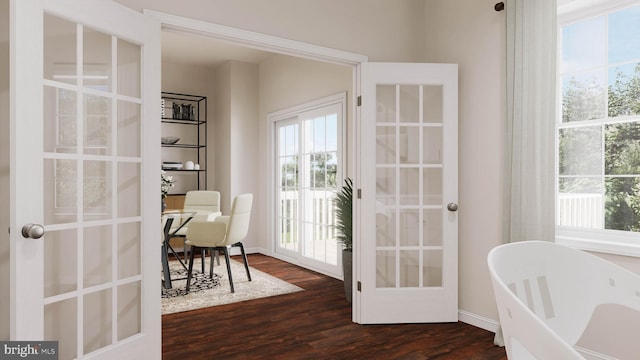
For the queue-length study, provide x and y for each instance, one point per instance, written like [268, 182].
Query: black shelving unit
[190, 112]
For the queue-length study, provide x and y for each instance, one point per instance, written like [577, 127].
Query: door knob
[33, 231]
[452, 207]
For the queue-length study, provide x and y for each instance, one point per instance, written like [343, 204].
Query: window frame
[599, 240]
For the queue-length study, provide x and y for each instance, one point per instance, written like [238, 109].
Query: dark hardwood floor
[311, 324]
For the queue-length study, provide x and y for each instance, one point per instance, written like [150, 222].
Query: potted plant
[344, 224]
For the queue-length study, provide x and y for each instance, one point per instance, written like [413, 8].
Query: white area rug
[262, 285]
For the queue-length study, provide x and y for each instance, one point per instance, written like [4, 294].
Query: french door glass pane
[60, 324]
[97, 320]
[432, 104]
[60, 191]
[60, 118]
[385, 268]
[129, 310]
[97, 255]
[97, 190]
[409, 103]
[409, 268]
[60, 60]
[96, 60]
[129, 69]
[129, 129]
[129, 250]
[60, 270]
[97, 125]
[129, 189]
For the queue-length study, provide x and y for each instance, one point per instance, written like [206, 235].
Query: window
[598, 129]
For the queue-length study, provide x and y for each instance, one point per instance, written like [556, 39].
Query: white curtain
[529, 191]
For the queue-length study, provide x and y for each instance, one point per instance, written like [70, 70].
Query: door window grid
[408, 152]
[85, 142]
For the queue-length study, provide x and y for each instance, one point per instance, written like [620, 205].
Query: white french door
[406, 253]
[309, 171]
[85, 198]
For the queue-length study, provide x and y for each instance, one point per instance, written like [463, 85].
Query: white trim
[340, 98]
[478, 321]
[602, 241]
[257, 40]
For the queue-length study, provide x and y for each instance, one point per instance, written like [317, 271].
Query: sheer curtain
[529, 191]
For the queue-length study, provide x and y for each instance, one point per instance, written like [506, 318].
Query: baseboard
[236, 251]
[478, 321]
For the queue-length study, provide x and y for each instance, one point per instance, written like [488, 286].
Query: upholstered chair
[222, 234]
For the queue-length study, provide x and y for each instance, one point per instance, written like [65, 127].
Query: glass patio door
[308, 147]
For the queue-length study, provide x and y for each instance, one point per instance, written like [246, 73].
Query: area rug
[205, 292]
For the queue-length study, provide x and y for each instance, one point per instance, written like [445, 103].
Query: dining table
[174, 221]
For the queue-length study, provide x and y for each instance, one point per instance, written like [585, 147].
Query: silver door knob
[452, 207]
[33, 231]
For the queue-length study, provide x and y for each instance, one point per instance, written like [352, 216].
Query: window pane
[624, 35]
[623, 204]
[575, 55]
[624, 90]
[622, 149]
[584, 96]
[580, 151]
[580, 202]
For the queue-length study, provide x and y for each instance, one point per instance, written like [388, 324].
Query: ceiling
[198, 50]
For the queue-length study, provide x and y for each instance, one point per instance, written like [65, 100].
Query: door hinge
[359, 193]
[359, 286]
[359, 100]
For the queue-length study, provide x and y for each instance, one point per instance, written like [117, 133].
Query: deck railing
[580, 210]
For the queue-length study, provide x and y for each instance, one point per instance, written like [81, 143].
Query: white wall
[381, 29]
[244, 129]
[4, 169]
[288, 81]
[222, 138]
[472, 34]
[243, 173]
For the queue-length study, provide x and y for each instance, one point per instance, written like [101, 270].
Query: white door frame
[282, 46]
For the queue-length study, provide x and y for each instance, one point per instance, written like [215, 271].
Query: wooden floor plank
[311, 324]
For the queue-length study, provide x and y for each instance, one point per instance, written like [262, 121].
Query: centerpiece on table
[166, 183]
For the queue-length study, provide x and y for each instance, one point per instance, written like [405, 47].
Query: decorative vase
[163, 204]
[347, 271]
